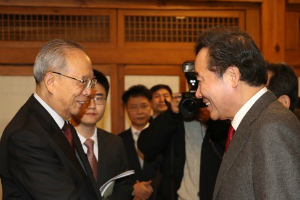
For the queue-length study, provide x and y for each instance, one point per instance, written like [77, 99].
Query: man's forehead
[162, 91]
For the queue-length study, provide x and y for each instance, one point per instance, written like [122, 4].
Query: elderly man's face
[70, 94]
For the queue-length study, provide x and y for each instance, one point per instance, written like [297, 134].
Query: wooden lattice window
[170, 28]
[162, 28]
[33, 27]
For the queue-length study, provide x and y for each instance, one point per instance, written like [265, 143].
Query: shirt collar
[134, 130]
[94, 137]
[246, 107]
[57, 118]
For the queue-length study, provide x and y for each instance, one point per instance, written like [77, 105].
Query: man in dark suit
[108, 148]
[39, 160]
[137, 102]
[262, 160]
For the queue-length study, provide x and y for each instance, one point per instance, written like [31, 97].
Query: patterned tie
[67, 131]
[229, 137]
[89, 143]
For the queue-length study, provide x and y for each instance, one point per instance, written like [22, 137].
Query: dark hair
[228, 46]
[283, 81]
[160, 86]
[136, 91]
[102, 80]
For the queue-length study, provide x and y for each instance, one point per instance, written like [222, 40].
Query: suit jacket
[37, 162]
[263, 158]
[166, 136]
[112, 161]
[150, 166]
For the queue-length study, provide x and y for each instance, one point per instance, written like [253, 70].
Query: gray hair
[52, 57]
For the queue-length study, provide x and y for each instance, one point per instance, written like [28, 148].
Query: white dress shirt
[246, 107]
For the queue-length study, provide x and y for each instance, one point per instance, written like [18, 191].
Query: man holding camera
[186, 145]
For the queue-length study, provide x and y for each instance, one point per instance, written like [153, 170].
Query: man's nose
[198, 93]
[92, 104]
[87, 91]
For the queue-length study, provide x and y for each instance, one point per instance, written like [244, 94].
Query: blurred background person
[160, 93]
[283, 82]
[108, 148]
[137, 103]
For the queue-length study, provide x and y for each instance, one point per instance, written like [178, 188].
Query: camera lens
[190, 105]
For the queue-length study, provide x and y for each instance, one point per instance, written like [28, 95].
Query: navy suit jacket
[112, 161]
[37, 162]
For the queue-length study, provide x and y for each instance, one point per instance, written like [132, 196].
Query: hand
[176, 97]
[142, 190]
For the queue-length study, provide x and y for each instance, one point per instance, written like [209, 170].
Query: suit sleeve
[38, 170]
[152, 140]
[123, 187]
[276, 166]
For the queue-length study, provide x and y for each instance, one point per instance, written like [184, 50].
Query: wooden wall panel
[273, 30]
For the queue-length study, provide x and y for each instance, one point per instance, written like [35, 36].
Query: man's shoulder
[22, 118]
[125, 133]
[107, 135]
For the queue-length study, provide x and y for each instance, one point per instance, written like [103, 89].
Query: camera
[189, 104]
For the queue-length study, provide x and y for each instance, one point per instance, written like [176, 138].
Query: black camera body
[189, 104]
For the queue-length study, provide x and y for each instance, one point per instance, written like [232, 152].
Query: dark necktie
[89, 143]
[229, 137]
[67, 131]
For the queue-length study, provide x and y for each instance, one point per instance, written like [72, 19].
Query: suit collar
[240, 137]
[51, 128]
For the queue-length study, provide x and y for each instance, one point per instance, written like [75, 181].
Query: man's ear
[234, 75]
[285, 100]
[49, 81]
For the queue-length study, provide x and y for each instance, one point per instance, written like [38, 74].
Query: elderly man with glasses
[41, 156]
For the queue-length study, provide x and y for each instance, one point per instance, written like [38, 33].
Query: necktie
[89, 143]
[139, 153]
[67, 131]
[229, 137]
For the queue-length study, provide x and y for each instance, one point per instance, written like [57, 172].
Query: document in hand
[107, 188]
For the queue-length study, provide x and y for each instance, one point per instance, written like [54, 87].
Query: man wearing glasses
[108, 149]
[41, 156]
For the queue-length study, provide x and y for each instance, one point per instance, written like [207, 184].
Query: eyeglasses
[97, 100]
[85, 83]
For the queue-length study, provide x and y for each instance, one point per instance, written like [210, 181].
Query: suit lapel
[130, 148]
[102, 157]
[241, 137]
[57, 136]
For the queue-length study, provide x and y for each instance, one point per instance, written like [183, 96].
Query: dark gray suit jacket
[263, 159]
[37, 162]
[112, 161]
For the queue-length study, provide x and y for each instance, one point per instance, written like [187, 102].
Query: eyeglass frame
[94, 99]
[88, 82]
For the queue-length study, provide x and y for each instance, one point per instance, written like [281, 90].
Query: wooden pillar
[273, 30]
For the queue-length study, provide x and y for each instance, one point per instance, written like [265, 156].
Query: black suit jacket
[150, 167]
[37, 162]
[112, 161]
[166, 135]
